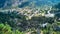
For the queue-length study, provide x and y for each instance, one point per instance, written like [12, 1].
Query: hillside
[29, 17]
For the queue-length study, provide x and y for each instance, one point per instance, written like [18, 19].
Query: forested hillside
[29, 16]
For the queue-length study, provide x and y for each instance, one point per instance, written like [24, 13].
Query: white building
[49, 14]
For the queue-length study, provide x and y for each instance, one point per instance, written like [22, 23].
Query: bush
[6, 29]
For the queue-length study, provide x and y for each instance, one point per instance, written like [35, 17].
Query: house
[49, 14]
